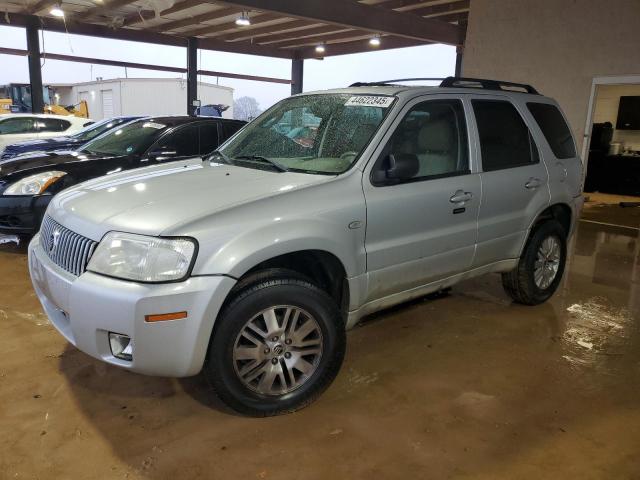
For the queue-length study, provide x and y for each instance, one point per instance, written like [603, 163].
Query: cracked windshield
[320, 134]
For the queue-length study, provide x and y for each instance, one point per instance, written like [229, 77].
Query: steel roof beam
[362, 17]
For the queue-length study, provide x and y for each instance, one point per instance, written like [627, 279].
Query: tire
[237, 351]
[521, 284]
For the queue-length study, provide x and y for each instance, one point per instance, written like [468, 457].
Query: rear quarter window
[53, 125]
[554, 128]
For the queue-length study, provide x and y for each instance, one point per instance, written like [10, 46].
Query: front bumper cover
[22, 214]
[85, 309]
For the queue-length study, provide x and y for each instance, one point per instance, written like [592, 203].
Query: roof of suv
[173, 120]
[451, 85]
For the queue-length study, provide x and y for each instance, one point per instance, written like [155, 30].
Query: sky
[339, 71]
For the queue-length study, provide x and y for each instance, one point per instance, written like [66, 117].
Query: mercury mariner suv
[250, 265]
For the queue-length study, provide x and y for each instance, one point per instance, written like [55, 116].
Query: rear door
[424, 228]
[52, 127]
[514, 179]
[558, 150]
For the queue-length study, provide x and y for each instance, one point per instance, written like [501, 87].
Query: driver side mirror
[402, 166]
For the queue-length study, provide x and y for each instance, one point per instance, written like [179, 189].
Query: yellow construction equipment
[16, 98]
[80, 109]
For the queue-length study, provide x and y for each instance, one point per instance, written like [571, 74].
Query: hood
[156, 199]
[37, 146]
[41, 142]
[40, 160]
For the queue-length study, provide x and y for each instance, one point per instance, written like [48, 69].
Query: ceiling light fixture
[243, 20]
[375, 41]
[320, 48]
[57, 11]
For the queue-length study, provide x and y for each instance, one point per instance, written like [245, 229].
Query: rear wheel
[541, 265]
[277, 345]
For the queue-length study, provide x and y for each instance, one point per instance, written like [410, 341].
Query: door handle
[533, 183]
[461, 197]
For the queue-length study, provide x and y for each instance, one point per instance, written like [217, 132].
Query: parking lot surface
[465, 385]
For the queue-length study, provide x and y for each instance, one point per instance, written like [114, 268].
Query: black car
[27, 183]
[69, 142]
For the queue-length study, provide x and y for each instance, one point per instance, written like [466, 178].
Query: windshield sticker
[153, 125]
[369, 101]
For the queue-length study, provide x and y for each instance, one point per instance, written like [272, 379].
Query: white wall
[167, 96]
[606, 110]
[145, 96]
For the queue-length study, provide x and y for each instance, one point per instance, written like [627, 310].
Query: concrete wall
[606, 110]
[558, 46]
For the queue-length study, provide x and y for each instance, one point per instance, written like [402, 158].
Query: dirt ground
[469, 386]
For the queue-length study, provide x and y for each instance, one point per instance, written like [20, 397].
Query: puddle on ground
[595, 328]
[38, 318]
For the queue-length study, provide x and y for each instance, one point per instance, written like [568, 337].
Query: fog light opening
[121, 346]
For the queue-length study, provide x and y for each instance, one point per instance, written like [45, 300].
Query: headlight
[143, 259]
[34, 184]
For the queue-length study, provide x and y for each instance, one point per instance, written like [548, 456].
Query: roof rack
[465, 82]
[392, 82]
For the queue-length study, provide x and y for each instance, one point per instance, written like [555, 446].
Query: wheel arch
[320, 267]
[560, 211]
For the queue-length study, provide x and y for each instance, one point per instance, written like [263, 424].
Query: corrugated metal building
[140, 96]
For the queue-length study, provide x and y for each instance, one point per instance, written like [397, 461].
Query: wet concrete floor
[467, 386]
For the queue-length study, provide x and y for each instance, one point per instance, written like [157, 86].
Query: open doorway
[611, 148]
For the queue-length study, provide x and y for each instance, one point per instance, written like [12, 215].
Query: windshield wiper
[262, 159]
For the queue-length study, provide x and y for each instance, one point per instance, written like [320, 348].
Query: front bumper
[85, 309]
[22, 215]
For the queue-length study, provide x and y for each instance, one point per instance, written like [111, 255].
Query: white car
[28, 126]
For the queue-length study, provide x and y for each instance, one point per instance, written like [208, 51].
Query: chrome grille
[67, 249]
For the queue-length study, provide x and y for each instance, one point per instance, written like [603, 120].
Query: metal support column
[192, 74]
[459, 61]
[297, 70]
[35, 72]
[460, 49]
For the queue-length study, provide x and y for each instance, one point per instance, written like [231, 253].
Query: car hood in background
[44, 159]
[42, 141]
[152, 200]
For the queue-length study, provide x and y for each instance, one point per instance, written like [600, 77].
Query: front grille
[67, 249]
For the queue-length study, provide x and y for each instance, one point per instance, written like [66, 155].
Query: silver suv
[251, 264]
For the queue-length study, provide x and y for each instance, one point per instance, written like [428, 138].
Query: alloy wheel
[277, 350]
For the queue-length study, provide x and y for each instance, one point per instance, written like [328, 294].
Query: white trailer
[140, 96]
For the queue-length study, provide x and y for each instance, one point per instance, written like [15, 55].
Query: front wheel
[541, 265]
[276, 347]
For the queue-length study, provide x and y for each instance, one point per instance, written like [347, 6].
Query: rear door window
[183, 141]
[505, 140]
[208, 137]
[554, 128]
[230, 128]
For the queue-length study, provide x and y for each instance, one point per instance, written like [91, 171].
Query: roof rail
[391, 82]
[464, 82]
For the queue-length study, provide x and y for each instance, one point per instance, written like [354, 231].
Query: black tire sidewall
[547, 229]
[219, 367]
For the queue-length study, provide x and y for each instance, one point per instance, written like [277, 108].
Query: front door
[16, 129]
[514, 180]
[424, 228]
